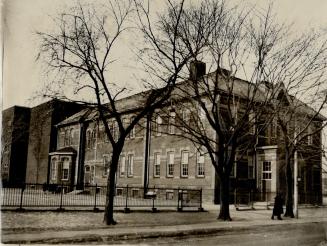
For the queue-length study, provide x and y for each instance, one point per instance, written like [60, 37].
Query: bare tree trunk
[289, 186]
[224, 198]
[109, 208]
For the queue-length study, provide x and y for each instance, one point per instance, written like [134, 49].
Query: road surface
[292, 234]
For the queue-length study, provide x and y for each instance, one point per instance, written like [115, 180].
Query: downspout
[147, 153]
[81, 155]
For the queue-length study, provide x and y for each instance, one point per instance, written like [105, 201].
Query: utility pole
[295, 180]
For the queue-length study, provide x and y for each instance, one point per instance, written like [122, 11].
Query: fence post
[61, 194]
[201, 208]
[126, 209]
[153, 198]
[95, 209]
[180, 200]
[21, 198]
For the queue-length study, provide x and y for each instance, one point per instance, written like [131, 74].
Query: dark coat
[278, 206]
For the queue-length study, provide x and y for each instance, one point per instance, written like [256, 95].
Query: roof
[65, 150]
[241, 88]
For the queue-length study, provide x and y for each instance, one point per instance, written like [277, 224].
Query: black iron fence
[61, 196]
[249, 198]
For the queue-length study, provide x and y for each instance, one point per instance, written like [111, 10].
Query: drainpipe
[147, 153]
[81, 156]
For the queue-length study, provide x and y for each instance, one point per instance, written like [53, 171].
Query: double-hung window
[184, 163]
[170, 164]
[200, 164]
[266, 170]
[156, 165]
[122, 163]
[54, 169]
[65, 169]
[130, 165]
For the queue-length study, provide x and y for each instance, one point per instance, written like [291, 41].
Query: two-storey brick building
[155, 154]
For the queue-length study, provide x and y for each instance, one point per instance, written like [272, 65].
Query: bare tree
[228, 115]
[80, 52]
[301, 69]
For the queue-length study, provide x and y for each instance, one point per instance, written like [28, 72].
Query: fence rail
[93, 196]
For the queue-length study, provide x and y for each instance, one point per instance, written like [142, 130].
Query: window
[113, 130]
[157, 128]
[92, 174]
[65, 169]
[125, 124]
[119, 192]
[310, 135]
[274, 128]
[156, 167]
[170, 164]
[71, 135]
[171, 123]
[130, 165]
[185, 119]
[54, 169]
[266, 170]
[106, 164]
[66, 138]
[88, 139]
[93, 138]
[122, 165]
[184, 164]
[135, 193]
[132, 132]
[251, 122]
[200, 164]
[169, 195]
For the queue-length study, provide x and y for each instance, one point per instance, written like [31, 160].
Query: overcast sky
[21, 18]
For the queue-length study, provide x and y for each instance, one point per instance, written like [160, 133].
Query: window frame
[185, 163]
[170, 166]
[66, 161]
[268, 171]
[156, 164]
[200, 153]
[130, 165]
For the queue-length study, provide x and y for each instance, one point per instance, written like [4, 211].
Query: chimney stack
[197, 70]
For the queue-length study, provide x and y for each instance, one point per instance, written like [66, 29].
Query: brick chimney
[197, 70]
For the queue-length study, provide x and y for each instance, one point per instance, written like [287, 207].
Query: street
[289, 234]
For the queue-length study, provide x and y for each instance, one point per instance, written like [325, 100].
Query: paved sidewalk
[84, 227]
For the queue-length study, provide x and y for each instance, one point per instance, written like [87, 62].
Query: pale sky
[21, 18]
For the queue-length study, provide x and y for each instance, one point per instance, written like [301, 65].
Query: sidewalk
[82, 227]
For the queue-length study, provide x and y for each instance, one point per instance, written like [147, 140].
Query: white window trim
[130, 165]
[62, 170]
[54, 170]
[171, 123]
[198, 154]
[185, 164]
[122, 163]
[172, 164]
[267, 172]
[155, 164]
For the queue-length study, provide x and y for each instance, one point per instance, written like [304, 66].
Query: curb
[141, 234]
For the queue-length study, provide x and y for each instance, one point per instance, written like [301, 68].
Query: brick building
[28, 135]
[161, 158]
[14, 144]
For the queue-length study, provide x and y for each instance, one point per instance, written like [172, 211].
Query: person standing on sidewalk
[278, 207]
